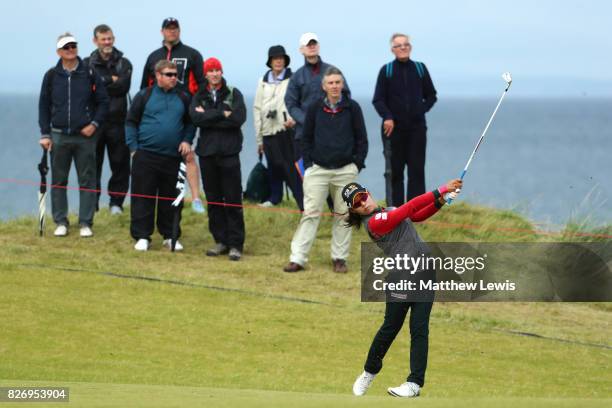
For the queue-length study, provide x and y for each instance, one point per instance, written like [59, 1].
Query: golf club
[508, 78]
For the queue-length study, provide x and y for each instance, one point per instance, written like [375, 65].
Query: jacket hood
[205, 84]
[288, 74]
[60, 68]
[96, 58]
[344, 101]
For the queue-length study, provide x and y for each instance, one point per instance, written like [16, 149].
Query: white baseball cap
[65, 40]
[308, 37]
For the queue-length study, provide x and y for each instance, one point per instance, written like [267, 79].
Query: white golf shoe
[362, 383]
[406, 390]
[142, 245]
[116, 210]
[61, 231]
[168, 244]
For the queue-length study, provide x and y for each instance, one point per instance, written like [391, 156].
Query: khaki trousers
[319, 182]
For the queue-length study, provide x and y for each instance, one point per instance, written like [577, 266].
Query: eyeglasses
[360, 199]
[403, 45]
[69, 46]
[170, 74]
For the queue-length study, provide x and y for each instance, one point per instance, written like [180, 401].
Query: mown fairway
[207, 332]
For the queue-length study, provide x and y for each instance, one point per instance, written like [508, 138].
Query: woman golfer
[393, 231]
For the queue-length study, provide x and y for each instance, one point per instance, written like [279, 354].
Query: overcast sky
[553, 48]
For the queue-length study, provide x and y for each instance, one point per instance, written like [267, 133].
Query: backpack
[257, 187]
[420, 67]
[147, 95]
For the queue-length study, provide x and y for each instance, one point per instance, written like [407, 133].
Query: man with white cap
[73, 104]
[305, 85]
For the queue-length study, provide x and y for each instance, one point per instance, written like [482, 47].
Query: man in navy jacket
[335, 146]
[404, 93]
[73, 104]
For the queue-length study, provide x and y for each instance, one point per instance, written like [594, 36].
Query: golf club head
[507, 77]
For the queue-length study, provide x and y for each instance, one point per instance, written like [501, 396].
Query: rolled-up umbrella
[180, 195]
[43, 168]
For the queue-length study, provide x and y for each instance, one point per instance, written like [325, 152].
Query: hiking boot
[116, 210]
[340, 266]
[234, 254]
[61, 231]
[86, 232]
[142, 245]
[168, 244]
[293, 267]
[362, 383]
[219, 249]
[406, 390]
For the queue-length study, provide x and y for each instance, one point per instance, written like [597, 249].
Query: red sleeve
[418, 209]
[193, 84]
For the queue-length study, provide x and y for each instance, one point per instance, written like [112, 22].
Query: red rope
[292, 211]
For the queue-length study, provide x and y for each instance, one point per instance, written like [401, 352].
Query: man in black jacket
[189, 64]
[404, 93]
[335, 145]
[116, 73]
[219, 111]
[73, 104]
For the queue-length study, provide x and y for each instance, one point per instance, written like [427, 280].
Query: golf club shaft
[484, 132]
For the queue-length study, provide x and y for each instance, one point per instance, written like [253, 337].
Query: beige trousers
[318, 183]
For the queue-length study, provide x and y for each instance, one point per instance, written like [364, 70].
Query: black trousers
[404, 149]
[279, 151]
[222, 182]
[395, 313]
[153, 175]
[111, 136]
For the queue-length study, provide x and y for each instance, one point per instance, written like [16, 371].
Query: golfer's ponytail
[353, 220]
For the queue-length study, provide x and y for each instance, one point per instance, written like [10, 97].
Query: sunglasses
[69, 46]
[360, 199]
[170, 74]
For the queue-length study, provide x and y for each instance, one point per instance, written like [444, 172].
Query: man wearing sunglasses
[158, 133]
[73, 104]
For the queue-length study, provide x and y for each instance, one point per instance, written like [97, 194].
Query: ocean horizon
[545, 158]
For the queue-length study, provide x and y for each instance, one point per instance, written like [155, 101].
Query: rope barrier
[296, 211]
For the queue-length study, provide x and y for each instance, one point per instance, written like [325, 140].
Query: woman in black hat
[392, 230]
[274, 128]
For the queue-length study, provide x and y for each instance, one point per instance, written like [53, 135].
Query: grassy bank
[159, 329]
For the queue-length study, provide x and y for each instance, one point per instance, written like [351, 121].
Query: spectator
[158, 133]
[116, 73]
[274, 128]
[404, 93]
[189, 68]
[73, 104]
[218, 110]
[335, 146]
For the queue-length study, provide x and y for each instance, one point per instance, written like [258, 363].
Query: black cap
[350, 191]
[170, 21]
[277, 51]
